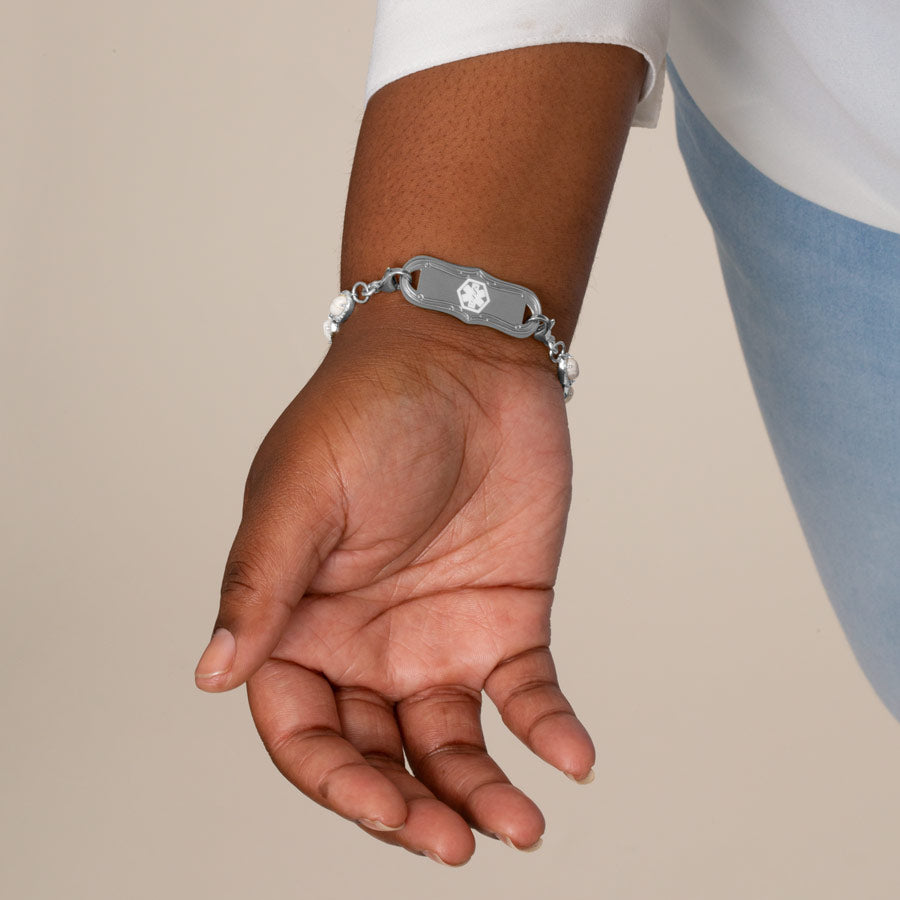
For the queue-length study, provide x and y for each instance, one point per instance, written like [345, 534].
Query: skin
[404, 517]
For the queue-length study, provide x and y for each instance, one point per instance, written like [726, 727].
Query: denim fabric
[816, 300]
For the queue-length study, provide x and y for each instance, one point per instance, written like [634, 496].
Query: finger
[288, 527]
[296, 717]
[444, 742]
[525, 691]
[431, 828]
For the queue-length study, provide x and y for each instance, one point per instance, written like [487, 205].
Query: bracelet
[471, 295]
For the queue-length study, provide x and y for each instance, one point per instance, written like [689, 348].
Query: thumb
[289, 525]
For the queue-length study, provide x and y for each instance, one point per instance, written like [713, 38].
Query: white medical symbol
[473, 295]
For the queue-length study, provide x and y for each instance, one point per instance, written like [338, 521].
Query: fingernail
[376, 825]
[433, 856]
[218, 656]
[508, 841]
[586, 780]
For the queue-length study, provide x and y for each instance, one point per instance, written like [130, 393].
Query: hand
[402, 527]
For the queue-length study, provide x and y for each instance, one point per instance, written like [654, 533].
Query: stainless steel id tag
[471, 294]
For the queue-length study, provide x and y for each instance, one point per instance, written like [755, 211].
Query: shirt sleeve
[415, 34]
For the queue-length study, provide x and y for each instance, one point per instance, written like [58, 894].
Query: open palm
[396, 557]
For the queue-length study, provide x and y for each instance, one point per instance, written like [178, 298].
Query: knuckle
[452, 750]
[303, 741]
[534, 688]
[444, 694]
[384, 761]
[244, 580]
[545, 716]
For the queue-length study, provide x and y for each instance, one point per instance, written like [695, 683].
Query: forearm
[504, 161]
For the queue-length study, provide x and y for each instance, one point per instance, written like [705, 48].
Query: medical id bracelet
[471, 295]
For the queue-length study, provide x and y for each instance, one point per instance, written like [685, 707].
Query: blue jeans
[816, 300]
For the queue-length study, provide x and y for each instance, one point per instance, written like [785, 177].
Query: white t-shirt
[806, 90]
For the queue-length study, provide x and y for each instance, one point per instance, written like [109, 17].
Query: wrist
[390, 320]
[468, 294]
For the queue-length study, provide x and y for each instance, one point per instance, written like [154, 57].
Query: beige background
[172, 180]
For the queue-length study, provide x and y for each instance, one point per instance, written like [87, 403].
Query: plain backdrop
[172, 183]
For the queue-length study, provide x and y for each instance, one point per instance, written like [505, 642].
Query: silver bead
[340, 307]
[330, 327]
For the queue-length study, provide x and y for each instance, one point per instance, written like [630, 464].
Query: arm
[403, 518]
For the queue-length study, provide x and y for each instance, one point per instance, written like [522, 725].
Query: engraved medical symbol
[473, 295]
